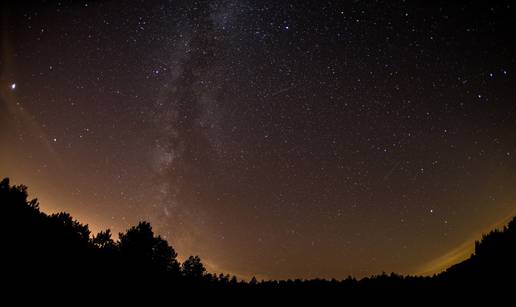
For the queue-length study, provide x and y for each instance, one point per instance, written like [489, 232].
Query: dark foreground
[53, 256]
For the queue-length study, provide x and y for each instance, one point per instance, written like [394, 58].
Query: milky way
[280, 139]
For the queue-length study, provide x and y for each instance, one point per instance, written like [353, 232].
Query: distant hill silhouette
[57, 253]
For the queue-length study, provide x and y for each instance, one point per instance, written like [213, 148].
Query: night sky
[281, 139]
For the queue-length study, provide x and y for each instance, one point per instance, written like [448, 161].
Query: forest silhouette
[57, 252]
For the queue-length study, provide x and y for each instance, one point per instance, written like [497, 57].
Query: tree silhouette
[193, 268]
[144, 251]
[103, 240]
[253, 281]
[57, 252]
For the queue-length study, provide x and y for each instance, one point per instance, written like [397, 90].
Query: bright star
[13, 86]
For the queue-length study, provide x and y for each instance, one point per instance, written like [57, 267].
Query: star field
[277, 139]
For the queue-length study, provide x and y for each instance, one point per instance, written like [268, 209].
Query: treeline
[57, 251]
[40, 245]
